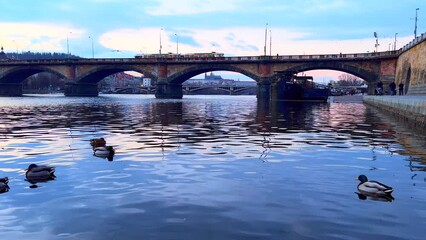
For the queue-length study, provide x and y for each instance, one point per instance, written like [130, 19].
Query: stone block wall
[411, 67]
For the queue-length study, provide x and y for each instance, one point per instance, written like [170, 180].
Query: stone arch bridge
[168, 73]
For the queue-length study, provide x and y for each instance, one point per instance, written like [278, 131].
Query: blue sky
[123, 28]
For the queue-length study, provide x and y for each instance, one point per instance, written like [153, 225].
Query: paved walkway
[412, 108]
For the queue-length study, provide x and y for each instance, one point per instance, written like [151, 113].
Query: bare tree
[349, 80]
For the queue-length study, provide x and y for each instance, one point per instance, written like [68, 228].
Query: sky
[125, 28]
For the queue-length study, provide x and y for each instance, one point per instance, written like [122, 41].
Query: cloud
[42, 37]
[231, 41]
[237, 41]
[187, 7]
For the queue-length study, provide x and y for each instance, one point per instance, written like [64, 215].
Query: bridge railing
[414, 42]
[168, 58]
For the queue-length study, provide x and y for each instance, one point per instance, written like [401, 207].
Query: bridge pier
[10, 89]
[81, 90]
[263, 90]
[277, 90]
[168, 91]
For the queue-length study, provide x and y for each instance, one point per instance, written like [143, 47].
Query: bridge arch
[18, 75]
[366, 75]
[96, 75]
[192, 71]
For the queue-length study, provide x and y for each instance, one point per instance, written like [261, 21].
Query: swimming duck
[39, 173]
[97, 142]
[3, 185]
[104, 152]
[372, 188]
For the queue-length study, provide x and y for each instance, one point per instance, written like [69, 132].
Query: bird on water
[39, 173]
[4, 187]
[373, 189]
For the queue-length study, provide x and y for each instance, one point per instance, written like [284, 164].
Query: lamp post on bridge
[415, 24]
[394, 44]
[68, 44]
[161, 46]
[266, 37]
[377, 41]
[177, 44]
[17, 52]
[270, 42]
[93, 51]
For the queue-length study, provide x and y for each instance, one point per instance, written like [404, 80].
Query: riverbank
[409, 108]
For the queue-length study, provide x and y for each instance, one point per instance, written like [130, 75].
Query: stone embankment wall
[411, 67]
[411, 108]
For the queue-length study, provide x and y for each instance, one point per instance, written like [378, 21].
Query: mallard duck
[374, 188]
[104, 152]
[36, 173]
[97, 142]
[3, 185]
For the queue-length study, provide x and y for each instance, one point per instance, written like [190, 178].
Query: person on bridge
[401, 89]
[379, 89]
[392, 87]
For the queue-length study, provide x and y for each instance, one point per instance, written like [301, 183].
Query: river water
[207, 167]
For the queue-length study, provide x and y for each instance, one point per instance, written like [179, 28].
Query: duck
[97, 142]
[39, 173]
[104, 152]
[3, 185]
[372, 188]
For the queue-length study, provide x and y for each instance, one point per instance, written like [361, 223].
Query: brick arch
[18, 75]
[182, 76]
[96, 75]
[338, 66]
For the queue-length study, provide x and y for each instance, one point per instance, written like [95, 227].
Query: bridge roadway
[169, 72]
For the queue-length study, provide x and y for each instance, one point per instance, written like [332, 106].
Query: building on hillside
[3, 56]
[119, 81]
[146, 82]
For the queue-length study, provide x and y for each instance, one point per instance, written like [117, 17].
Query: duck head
[31, 166]
[362, 178]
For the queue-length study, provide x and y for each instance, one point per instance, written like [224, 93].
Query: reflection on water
[207, 167]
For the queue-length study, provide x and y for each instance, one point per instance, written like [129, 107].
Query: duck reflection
[4, 187]
[39, 173]
[384, 198]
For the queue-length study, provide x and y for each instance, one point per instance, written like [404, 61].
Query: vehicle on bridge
[188, 56]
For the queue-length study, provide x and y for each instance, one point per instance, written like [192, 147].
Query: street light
[270, 42]
[161, 46]
[177, 44]
[16, 45]
[93, 51]
[377, 41]
[266, 36]
[68, 44]
[394, 44]
[415, 24]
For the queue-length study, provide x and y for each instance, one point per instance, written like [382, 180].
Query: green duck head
[362, 178]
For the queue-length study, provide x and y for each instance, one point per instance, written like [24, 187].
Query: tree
[349, 80]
